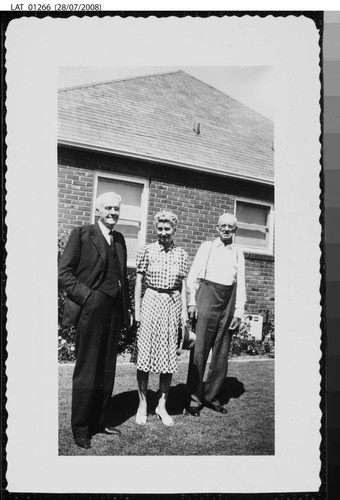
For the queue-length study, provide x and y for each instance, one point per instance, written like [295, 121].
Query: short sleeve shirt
[162, 268]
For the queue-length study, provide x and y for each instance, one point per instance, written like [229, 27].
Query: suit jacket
[82, 268]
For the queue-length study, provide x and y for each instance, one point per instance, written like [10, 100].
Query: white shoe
[165, 418]
[141, 419]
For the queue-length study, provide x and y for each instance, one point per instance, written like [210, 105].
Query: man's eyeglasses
[225, 226]
[108, 208]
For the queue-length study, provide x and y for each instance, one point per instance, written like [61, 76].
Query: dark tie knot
[111, 233]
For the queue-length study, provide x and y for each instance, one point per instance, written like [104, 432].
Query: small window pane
[252, 220]
[252, 213]
[130, 211]
[250, 238]
[130, 192]
[130, 233]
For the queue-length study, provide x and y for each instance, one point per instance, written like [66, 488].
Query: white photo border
[36, 48]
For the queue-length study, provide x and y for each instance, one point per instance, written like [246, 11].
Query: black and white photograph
[168, 143]
[173, 307]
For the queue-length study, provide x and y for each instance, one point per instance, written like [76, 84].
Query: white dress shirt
[223, 264]
[105, 230]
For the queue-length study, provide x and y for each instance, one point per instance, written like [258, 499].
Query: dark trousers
[96, 342]
[216, 306]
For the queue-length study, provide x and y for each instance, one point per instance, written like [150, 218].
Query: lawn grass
[247, 429]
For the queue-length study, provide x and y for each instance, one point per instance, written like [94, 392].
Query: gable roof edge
[119, 80]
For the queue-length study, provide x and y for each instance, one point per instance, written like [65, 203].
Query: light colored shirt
[223, 264]
[105, 230]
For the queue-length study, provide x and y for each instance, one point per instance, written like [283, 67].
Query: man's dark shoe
[218, 408]
[194, 411]
[83, 442]
[109, 429]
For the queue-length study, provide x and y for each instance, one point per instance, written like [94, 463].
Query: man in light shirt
[93, 272]
[216, 284]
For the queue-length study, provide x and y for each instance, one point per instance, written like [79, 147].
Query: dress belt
[163, 290]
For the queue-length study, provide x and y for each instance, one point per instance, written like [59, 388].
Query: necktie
[112, 244]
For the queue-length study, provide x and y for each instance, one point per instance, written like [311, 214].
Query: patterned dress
[157, 335]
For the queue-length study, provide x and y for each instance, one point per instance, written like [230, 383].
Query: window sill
[258, 256]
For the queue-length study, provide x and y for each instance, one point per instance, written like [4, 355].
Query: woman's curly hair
[166, 216]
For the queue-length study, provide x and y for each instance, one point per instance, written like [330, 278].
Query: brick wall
[260, 283]
[75, 188]
[198, 200]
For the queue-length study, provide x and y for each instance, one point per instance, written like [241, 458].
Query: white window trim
[144, 204]
[258, 250]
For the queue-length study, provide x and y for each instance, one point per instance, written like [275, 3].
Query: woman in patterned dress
[164, 267]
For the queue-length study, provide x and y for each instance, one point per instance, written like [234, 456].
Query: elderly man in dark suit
[93, 272]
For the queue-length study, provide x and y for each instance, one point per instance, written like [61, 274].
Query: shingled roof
[152, 117]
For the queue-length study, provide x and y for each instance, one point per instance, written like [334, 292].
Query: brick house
[171, 141]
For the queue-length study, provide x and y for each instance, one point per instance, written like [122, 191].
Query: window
[255, 226]
[133, 210]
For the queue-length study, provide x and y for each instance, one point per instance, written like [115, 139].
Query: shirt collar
[161, 248]
[219, 243]
[105, 230]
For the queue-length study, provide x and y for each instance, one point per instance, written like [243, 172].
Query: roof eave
[154, 159]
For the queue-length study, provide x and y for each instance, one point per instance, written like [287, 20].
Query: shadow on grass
[124, 406]
[232, 389]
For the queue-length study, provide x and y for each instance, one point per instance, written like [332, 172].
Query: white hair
[229, 215]
[104, 198]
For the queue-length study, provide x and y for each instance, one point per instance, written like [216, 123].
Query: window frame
[143, 209]
[267, 204]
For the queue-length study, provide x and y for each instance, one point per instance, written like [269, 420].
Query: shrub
[268, 332]
[244, 343]
[66, 350]
[63, 236]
